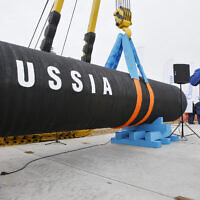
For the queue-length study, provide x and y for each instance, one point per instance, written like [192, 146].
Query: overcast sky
[164, 31]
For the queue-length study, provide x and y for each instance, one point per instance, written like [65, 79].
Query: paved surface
[105, 172]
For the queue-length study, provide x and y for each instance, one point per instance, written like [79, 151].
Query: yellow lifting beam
[90, 35]
[58, 4]
[94, 15]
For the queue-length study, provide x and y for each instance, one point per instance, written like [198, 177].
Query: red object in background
[185, 117]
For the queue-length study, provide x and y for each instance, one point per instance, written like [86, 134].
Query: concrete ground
[110, 172]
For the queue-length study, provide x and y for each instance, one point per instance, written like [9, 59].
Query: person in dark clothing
[195, 80]
[191, 115]
[197, 111]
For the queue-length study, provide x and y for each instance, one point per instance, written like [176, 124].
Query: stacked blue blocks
[146, 135]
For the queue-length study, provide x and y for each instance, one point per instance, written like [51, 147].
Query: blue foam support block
[174, 138]
[156, 126]
[136, 135]
[153, 135]
[121, 135]
[165, 140]
[147, 135]
[143, 143]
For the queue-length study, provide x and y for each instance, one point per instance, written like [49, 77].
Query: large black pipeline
[42, 92]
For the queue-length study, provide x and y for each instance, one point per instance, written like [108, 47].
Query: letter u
[21, 74]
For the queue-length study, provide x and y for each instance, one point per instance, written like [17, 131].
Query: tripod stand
[182, 123]
[56, 141]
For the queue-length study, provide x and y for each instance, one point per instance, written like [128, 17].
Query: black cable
[69, 27]
[65, 152]
[38, 23]
[43, 27]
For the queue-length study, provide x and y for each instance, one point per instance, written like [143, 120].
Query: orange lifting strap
[139, 104]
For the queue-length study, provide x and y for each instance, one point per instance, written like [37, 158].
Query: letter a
[106, 86]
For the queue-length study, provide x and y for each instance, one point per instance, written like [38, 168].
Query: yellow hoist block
[123, 18]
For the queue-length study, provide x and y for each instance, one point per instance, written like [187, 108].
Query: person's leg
[198, 113]
[191, 118]
[198, 118]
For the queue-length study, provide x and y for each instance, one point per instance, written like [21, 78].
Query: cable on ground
[64, 152]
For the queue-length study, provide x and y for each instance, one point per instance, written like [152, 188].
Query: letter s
[57, 83]
[78, 86]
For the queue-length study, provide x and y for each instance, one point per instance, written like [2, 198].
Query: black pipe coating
[42, 92]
